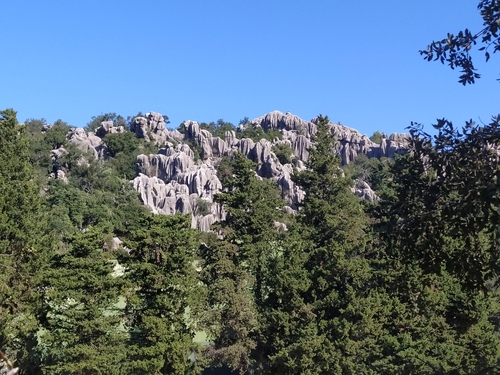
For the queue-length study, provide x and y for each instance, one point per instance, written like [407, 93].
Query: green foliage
[230, 316]
[225, 170]
[96, 121]
[81, 324]
[257, 133]
[237, 269]
[412, 289]
[438, 251]
[56, 135]
[446, 190]
[455, 50]
[117, 143]
[376, 172]
[24, 243]
[39, 149]
[123, 148]
[283, 152]
[203, 207]
[219, 128]
[162, 272]
[332, 226]
[376, 137]
[196, 148]
[95, 195]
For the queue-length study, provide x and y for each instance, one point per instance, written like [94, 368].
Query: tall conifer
[164, 289]
[23, 243]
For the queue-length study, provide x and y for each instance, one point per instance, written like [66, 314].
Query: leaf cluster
[455, 50]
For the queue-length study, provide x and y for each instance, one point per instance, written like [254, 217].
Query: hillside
[182, 174]
[282, 246]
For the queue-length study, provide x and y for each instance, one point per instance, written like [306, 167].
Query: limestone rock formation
[87, 142]
[363, 190]
[350, 141]
[182, 176]
[152, 128]
[107, 127]
[172, 181]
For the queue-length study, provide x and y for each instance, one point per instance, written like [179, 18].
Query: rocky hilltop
[178, 179]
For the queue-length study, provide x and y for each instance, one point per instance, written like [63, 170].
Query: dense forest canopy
[278, 246]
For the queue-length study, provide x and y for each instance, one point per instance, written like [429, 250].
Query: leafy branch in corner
[455, 49]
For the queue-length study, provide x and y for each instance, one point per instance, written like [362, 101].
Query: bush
[121, 142]
[283, 152]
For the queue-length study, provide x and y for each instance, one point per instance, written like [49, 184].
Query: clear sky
[355, 61]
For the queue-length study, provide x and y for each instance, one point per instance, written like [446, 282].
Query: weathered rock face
[174, 181]
[350, 141]
[152, 128]
[363, 190]
[58, 170]
[87, 142]
[396, 144]
[107, 127]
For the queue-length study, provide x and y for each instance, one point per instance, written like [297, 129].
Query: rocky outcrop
[350, 142]
[152, 128]
[58, 169]
[172, 181]
[182, 176]
[87, 142]
[396, 144]
[108, 127]
[363, 190]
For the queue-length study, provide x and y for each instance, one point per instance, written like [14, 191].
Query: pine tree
[82, 329]
[333, 226]
[439, 252]
[239, 270]
[229, 316]
[161, 270]
[23, 243]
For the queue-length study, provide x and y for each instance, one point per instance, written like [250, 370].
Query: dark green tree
[333, 228]
[229, 317]
[123, 148]
[39, 149]
[238, 270]
[24, 243]
[438, 251]
[161, 269]
[376, 137]
[82, 321]
[125, 142]
[371, 170]
[55, 136]
[283, 152]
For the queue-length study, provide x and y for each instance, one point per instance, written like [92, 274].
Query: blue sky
[355, 61]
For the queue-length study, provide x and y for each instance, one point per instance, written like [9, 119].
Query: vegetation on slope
[405, 285]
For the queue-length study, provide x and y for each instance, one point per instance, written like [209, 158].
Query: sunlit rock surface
[182, 176]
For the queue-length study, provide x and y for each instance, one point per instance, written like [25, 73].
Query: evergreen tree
[334, 227]
[23, 243]
[81, 321]
[293, 338]
[439, 253]
[229, 317]
[162, 273]
[238, 270]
